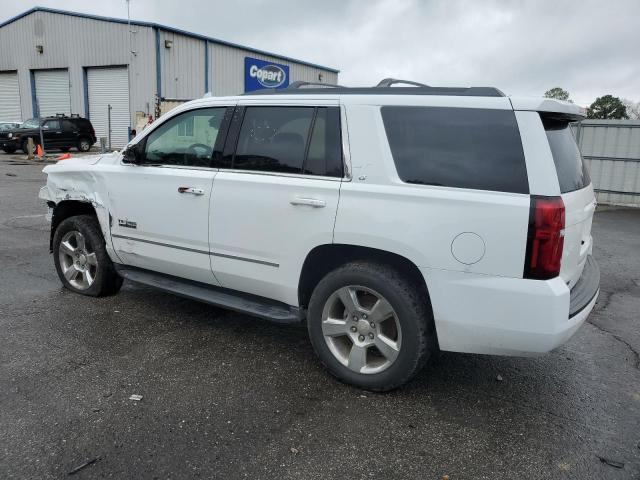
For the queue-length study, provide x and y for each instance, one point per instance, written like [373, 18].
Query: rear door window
[290, 140]
[324, 156]
[273, 139]
[457, 147]
[572, 174]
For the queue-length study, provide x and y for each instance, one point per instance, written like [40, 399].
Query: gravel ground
[229, 396]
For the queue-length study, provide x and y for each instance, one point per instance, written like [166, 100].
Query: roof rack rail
[387, 82]
[294, 89]
[301, 83]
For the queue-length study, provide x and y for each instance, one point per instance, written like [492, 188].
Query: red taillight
[545, 238]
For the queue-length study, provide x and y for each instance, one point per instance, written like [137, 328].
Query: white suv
[394, 220]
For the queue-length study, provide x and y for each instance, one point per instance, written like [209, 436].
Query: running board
[220, 297]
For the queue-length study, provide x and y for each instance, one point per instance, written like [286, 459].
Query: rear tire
[81, 258]
[84, 144]
[371, 344]
[65, 149]
[9, 150]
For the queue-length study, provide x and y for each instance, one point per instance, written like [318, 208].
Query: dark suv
[60, 132]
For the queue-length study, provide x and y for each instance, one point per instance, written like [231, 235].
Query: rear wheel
[9, 150]
[370, 325]
[84, 144]
[81, 258]
[65, 149]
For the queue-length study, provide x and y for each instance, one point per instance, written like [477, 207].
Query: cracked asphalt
[229, 396]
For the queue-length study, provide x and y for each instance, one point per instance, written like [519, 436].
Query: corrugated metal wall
[226, 70]
[75, 43]
[182, 66]
[611, 150]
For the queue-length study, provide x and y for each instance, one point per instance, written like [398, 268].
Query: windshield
[8, 126]
[31, 123]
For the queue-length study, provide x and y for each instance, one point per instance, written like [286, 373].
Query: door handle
[192, 191]
[312, 202]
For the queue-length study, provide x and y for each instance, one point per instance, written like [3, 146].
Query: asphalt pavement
[228, 396]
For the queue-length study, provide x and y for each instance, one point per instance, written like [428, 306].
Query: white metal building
[54, 61]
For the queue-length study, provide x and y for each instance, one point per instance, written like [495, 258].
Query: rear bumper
[508, 316]
[585, 288]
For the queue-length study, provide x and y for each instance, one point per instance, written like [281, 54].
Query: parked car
[60, 132]
[395, 221]
[5, 128]
[9, 125]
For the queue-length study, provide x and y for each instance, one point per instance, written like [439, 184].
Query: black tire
[84, 144]
[414, 315]
[105, 279]
[9, 150]
[65, 149]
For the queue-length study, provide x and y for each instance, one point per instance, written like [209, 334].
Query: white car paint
[246, 232]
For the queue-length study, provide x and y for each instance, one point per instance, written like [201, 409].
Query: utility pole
[132, 55]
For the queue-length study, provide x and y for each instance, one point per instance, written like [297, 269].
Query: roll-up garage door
[9, 97]
[52, 92]
[109, 87]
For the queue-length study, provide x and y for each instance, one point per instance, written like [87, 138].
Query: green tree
[557, 93]
[607, 107]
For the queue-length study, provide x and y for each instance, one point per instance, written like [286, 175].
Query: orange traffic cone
[39, 152]
[64, 156]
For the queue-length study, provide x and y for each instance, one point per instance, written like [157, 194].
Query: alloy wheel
[361, 329]
[78, 263]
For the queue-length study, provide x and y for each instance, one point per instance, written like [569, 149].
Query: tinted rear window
[572, 174]
[290, 140]
[457, 147]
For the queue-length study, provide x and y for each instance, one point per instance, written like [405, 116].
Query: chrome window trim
[282, 174]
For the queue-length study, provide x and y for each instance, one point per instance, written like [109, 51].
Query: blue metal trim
[85, 86]
[206, 66]
[168, 29]
[34, 101]
[158, 64]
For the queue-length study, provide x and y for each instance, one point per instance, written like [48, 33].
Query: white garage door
[109, 87]
[9, 97]
[52, 92]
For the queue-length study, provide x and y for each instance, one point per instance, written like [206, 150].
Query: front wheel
[370, 325]
[81, 258]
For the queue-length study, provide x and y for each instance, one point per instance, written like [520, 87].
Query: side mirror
[132, 154]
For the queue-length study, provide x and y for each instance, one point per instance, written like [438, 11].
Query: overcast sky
[590, 48]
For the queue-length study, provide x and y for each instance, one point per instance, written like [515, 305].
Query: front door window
[185, 140]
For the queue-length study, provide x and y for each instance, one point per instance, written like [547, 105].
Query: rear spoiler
[550, 108]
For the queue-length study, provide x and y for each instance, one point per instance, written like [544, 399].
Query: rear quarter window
[457, 147]
[572, 173]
